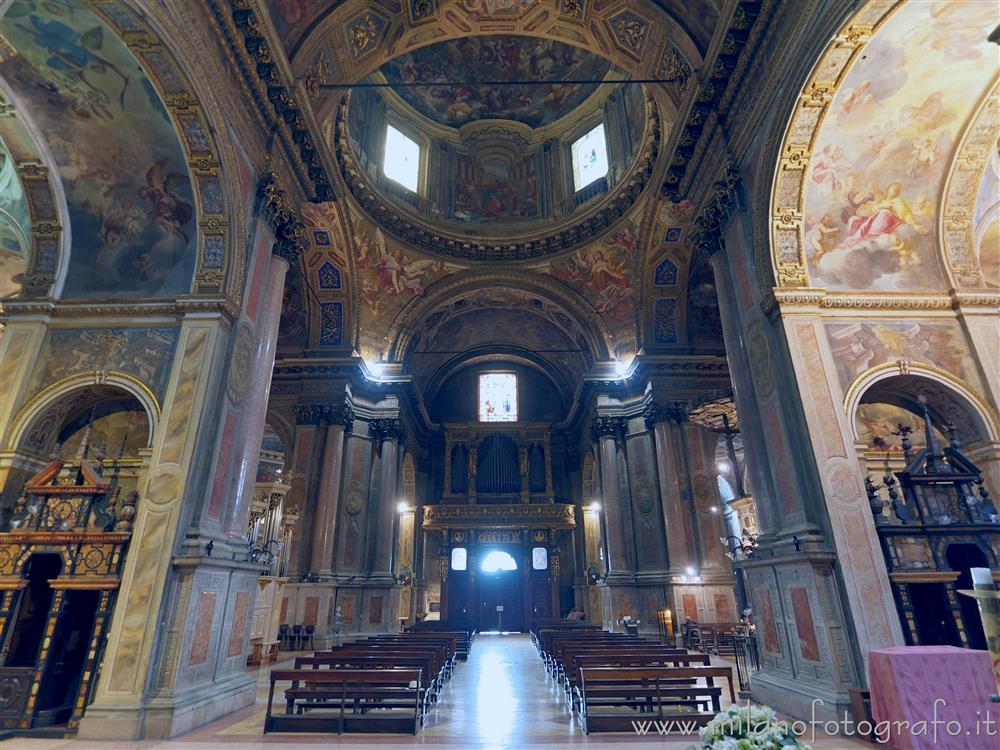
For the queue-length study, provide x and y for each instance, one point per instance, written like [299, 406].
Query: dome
[454, 151]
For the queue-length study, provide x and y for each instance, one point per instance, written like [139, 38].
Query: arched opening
[498, 561]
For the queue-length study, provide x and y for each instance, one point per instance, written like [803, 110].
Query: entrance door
[498, 589]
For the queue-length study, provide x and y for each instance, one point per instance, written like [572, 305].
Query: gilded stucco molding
[133, 309]
[958, 210]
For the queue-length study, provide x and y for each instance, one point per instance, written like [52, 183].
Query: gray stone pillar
[339, 419]
[607, 432]
[389, 433]
[670, 467]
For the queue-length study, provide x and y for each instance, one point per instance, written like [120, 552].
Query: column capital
[276, 209]
[614, 427]
[308, 414]
[339, 414]
[672, 411]
[390, 428]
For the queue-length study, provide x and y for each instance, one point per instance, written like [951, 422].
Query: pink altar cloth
[905, 683]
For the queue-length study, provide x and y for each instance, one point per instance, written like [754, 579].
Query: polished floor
[500, 698]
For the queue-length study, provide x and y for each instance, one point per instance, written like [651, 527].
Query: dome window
[590, 157]
[402, 159]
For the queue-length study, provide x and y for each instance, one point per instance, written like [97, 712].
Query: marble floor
[500, 698]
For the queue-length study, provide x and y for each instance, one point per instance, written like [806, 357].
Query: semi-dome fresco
[123, 170]
[884, 149]
[509, 59]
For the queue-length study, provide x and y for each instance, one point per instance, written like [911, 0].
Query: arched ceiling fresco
[124, 173]
[15, 226]
[510, 59]
[881, 135]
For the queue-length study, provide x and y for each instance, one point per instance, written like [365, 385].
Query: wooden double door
[500, 596]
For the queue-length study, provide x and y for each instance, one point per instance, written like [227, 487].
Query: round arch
[985, 418]
[402, 332]
[64, 395]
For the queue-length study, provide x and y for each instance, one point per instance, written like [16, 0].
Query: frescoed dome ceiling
[509, 60]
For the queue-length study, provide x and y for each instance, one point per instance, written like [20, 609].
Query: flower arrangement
[749, 727]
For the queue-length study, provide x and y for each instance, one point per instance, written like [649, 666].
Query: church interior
[498, 373]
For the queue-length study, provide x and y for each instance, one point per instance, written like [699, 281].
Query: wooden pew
[361, 660]
[613, 698]
[347, 700]
[630, 659]
[438, 670]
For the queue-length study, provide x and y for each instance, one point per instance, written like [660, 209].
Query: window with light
[590, 158]
[498, 397]
[498, 561]
[459, 558]
[402, 159]
[539, 558]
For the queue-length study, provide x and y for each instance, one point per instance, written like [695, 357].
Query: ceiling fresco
[15, 226]
[125, 176]
[885, 146]
[495, 58]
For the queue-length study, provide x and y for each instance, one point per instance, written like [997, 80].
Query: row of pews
[611, 681]
[387, 683]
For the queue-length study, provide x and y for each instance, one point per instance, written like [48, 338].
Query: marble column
[260, 362]
[607, 432]
[300, 477]
[670, 468]
[389, 432]
[339, 420]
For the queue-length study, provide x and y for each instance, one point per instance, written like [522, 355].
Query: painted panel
[804, 627]
[204, 616]
[238, 635]
[766, 619]
[312, 611]
[143, 353]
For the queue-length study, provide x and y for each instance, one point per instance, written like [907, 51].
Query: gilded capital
[386, 429]
[308, 414]
[614, 427]
[672, 411]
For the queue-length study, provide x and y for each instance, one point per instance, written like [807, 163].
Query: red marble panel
[239, 624]
[284, 610]
[205, 614]
[347, 609]
[804, 626]
[375, 614]
[222, 466]
[767, 624]
[690, 606]
[312, 611]
[723, 612]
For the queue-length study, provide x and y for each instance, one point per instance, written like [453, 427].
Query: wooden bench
[347, 700]
[613, 699]
[437, 670]
[362, 661]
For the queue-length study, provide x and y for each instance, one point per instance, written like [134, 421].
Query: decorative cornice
[711, 98]
[622, 197]
[817, 298]
[716, 212]
[260, 70]
[153, 308]
[389, 428]
[276, 210]
[614, 427]
[520, 516]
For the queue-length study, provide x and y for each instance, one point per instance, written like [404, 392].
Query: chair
[296, 637]
[307, 637]
[284, 637]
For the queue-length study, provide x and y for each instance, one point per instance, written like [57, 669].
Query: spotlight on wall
[374, 370]
[723, 466]
[402, 507]
[595, 506]
[714, 508]
[690, 572]
[621, 369]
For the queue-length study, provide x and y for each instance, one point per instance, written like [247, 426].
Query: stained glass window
[402, 159]
[590, 158]
[498, 397]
